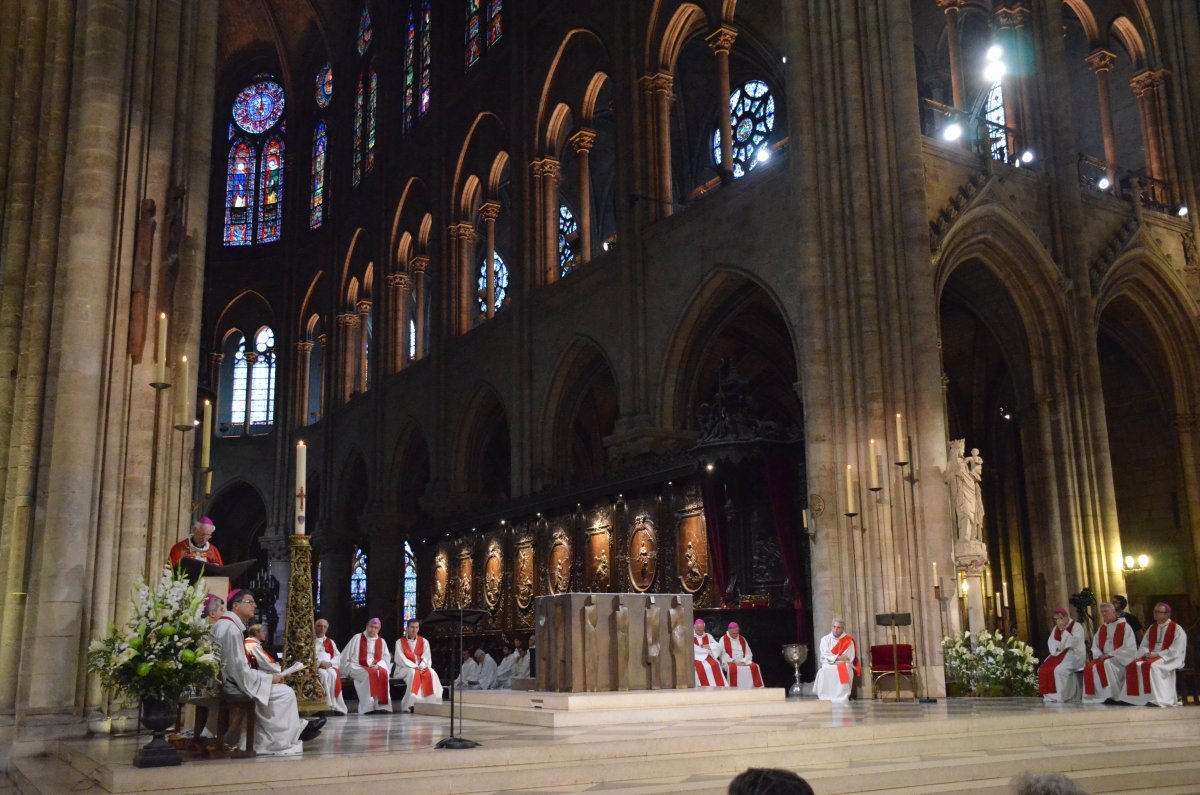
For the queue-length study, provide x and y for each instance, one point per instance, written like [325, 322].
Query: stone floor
[953, 746]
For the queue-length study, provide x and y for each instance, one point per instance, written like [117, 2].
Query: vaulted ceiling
[282, 31]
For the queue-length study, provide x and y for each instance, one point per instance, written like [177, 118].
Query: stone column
[664, 95]
[954, 47]
[549, 218]
[1101, 63]
[537, 172]
[464, 233]
[582, 142]
[364, 364]
[279, 565]
[648, 177]
[303, 356]
[490, 211]
[1149, 87]
[346, 363]
[1187, 426]
[335, 560]
[251, 360]
[393, 357]
[386, 572]
[721, 41]
[419, 266]
[1013, 24]
[400, 286]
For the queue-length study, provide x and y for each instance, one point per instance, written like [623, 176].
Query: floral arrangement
[990, 664]
[164, 650]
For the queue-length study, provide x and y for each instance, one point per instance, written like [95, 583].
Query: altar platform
[957, 745]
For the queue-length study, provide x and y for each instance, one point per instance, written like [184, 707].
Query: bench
[226, 703]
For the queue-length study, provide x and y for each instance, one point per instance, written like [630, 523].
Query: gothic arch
[570, 82]
[1124, 31]
[310, 305]
[665, 36]
[357, 259]
[410, 212]
[484, 453]
[248, 309]
[486, 138]
[584, 383]
[1086, 18]
[239, 510]
[409, 472]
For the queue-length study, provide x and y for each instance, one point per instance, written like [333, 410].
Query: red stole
[337, 680]
[711, 677]
[1046, 683]
[1131, 677]
[422, 679]
[377, 675]
[755, 674]
[1097, 666]
[843, 643]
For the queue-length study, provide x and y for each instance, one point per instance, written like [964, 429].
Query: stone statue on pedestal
[964, 475]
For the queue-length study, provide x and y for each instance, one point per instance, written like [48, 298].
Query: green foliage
[990, 664]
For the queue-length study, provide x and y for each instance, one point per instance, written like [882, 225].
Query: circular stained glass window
[500, 272]
[325, 86]
[259, 106]
[752, 116]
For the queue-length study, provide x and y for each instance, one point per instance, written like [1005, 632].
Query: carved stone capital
[721, 40]
[490, 210]
[304, 346]
[216, 358]
[346, 319]
[582, 140]
[951, 6]
[251, 357]
[462, 231]
[400, 280]
[1148, 81]
[664, 83]
[545, 167]
[420, 264]
[1100, 60]
[276, 546]
[1012, 17]
[363, 307]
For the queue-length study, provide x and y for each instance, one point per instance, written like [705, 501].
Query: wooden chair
[225, 702]
[1187, 678]
[883, 665]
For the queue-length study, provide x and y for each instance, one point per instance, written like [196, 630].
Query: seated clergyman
[414, 666]
[256, 653]
[1150, 678]
[1113, 648]
[328, 657]
[1056, 676]
[838, 656]
[707, 658]
[368, 662]
[738, 660]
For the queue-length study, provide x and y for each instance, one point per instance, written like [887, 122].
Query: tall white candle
[182, 398]
[804, 518]
[206, 435]
[998, 608]
[901, 441]
[851, 495]
[874, 467]
[1004, 591]
[160, 360]
[301, 477]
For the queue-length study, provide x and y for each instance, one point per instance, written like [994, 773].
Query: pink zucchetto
[204, 521]
[1058, 611]
[734, 625]
[699, 622]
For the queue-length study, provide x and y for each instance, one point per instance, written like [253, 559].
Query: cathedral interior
[648, 296]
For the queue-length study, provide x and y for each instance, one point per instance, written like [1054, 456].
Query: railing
[973, 132]
[1101, 177]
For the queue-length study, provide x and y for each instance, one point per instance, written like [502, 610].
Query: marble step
[47, 774]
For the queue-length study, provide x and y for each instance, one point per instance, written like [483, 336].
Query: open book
[291, 669]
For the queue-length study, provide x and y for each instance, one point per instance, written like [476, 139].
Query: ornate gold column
[490, 211]
[419, 266]
[299, 640]
[582, 142]
[953, 46]
[721, 42]
[1101, 63]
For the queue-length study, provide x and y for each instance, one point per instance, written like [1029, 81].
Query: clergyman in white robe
[738, 661]
[706, 658]
[277, 724]
[368, 662]
[520, 669]
[838, 656]
[468, 674]
[486, 673]
[1057, 680]
[414, 666]
[504, 671]
[328, 658]
[1113, 648]
[1150, 678]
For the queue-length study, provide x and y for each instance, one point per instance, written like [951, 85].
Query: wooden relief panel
[493, 566]
[643, 553]
[691, 549]
[466, 570]
[560, 562]
[441, 576]
[599, 559]
[523, 573]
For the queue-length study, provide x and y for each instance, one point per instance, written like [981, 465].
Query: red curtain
[779, 471]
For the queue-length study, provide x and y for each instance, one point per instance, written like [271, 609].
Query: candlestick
[183, 421]
[874, 469]
[901, 441]
[206, 435]
[160, 359]
[208, 483]
[998, 608]
[1004, 591]
[987, 580]
[804, 518]
[851, 495]
[301, 477]
[935, 579]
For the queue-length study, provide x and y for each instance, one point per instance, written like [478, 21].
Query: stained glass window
[262, 379]
[410, 68]
[410, 583]
[412, 339]
[239, 194]
[241, 380]
[500, 269]
[364, 32]
[372, 107]
[270, 210]
[316, 206]
[426, 53]
[358, 578]
[318, 578]
[259, 106]
[358, 131]
[474, 33]
[495, 21]
[752, 116]
[993, 111]
[325, 86]
[232, 130]
[568, 232]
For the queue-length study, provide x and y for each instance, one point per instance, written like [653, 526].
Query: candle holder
[299, 642]
[159, 387]
[183, 431]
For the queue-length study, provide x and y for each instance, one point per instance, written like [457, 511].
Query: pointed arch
[569, 75]
[580, 409]
[308, 306]
[1086, 18]
[664, 43]
[355, 260]
[409, 471]
[484, 454]
[248, 309]
[1124, 31]
[486, 137]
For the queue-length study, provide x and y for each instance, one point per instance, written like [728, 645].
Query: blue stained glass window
[239, 194]
[568, 232]
[410, 68]
[500, 269]
[358, 578]
[372, 108]
[259, 106]
[325, 86]
[993, 111]
[474, 33]
[318, 597]
[426, 54]
[410, 583]
[241, 380]
[270, 210]
[358, 131]
[495, 21]
[232, 130]
[316, 207]
[752, 116]
[364, 32]
[262, 379]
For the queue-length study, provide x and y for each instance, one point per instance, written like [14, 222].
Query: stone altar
[601, 642]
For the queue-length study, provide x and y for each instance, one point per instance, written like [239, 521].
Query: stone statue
[644, 558]
[964, 474]
[621, 635]
[491, 587]
[654, 642]
[591, 654]
[681, 652]
[562, 580]
[139, 287]
[173, 249]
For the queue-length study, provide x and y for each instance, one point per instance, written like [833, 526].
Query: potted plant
[162, 652]
[989, 664]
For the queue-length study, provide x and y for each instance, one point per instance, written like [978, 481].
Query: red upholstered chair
[883, 665]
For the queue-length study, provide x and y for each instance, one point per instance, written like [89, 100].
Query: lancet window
[410, 583]
[484, 27]
[358, 578]
[254, 167]
[366, 103]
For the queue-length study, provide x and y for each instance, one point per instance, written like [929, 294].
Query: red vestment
[422, 679]
[377, 675]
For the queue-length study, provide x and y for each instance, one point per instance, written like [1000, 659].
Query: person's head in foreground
[1045, 784]
[769, 781]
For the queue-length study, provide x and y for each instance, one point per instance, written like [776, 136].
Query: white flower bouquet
[164, 650]
[990, 664]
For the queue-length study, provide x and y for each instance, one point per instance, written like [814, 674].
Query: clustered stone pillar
[399, 292]
[649, 180]
[721, 42]
[1101, 63]
[303, 360]
[1149, 87]
[490, 211]
[347, 323]
[462, 243]
[664, 95]
[419, 266]
[364, 344]
[550, 173]
[954, 48]
[582, 142]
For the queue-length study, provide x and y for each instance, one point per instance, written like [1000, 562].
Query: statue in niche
[681, 652]
[591, 654]
[654, 642]
[964, 474]
[693, 575]
[172, 251]
[562, 578]
[620, 621]
[139, 288]
[524, 577]
[491, 587]
[643, 557]
[439, 583]
[602, 568]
